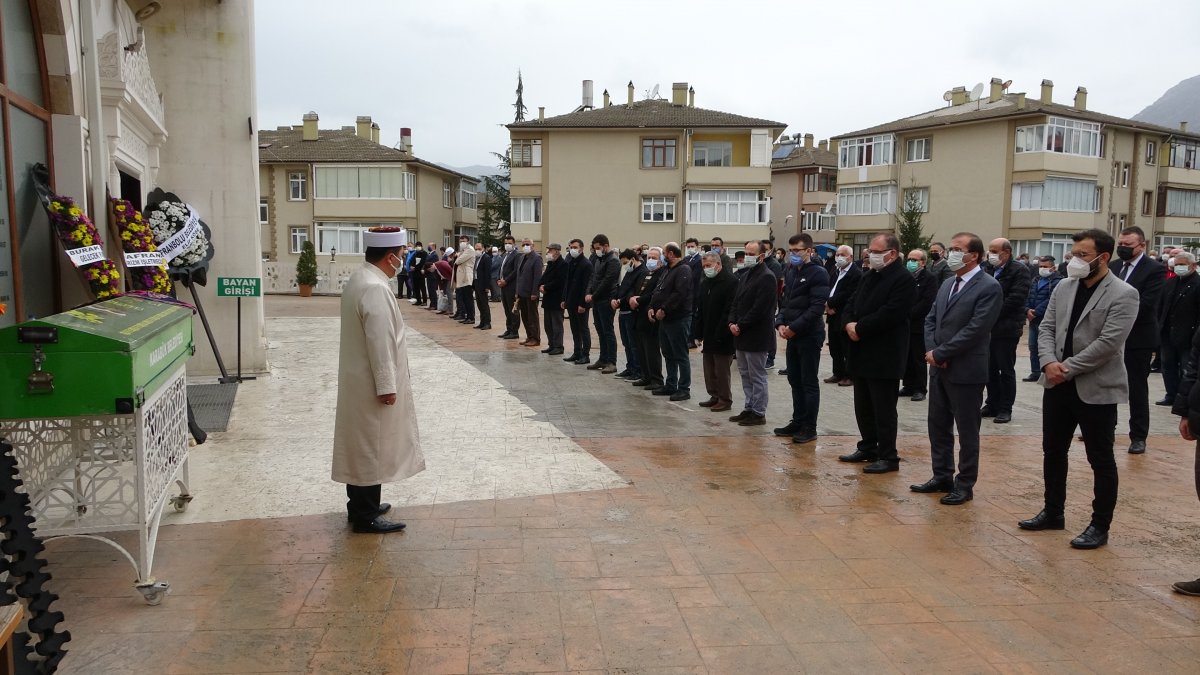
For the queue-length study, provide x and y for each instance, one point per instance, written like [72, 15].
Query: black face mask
[1125, 252]
[935, 256]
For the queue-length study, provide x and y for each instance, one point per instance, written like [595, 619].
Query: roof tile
[650, 113]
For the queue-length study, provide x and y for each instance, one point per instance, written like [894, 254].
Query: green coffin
[108, 358]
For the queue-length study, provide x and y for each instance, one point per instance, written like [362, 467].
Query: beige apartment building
[328, 186]
[1026, 168]
[804, 188]
[647, 171]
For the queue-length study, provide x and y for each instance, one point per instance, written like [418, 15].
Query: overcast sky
[449, 70]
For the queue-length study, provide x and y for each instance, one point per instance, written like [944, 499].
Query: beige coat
[373, 443]
[464, 267]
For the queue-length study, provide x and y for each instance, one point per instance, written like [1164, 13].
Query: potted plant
[306, 269]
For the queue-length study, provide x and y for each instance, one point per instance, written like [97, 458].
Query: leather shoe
[378, 526]
[510, 336]
[905, 391]
[721, 407]
[932, 485]
[484, 326]
[384, 507]
[572, 358]
[608, 369]
[1032, 377]
[957, 498]
[788, 429]
[596, 366]
[640, 383]
[663, 391]
[846, 382]
[752, 420]
[919, 396]
[859, 455]
[1002, 418]
[1187, 587]
[1043, 521]
[1137, 447]
[1165, 401]
[547, 350]
[681, 396]
[1092, 537]
[624, 374]
[832, 379]
[881, 466]
[710, 402]
[740, 416]
[583, 360]
[554, 352]
[805, 436]
[987, 411]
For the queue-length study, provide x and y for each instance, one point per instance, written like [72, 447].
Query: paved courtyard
[569, 523]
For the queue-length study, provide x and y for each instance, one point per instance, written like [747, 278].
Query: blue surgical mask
[912, 265]
[796, 260]
[652, 263]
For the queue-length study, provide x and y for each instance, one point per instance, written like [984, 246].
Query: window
[299, 235]
[1147, 202]
[445, 195]
[1050, 244]
[345, 237]
[866, 201]
[1183, 155]
[658, 153]
[527, 209]
[820, 182]
[1125, 175]
[1120, 222]
[867, 151]
[920, 194]
[1184, 203]
[467, 197]
[263, 212]
[918, 150]
[727, 207]
[816, 220]
[364, 182]
[525, 153]
[712, 153]
[658, 209]
[1151, 152]
[1057, 194]
[1070, 137]
[297, 186]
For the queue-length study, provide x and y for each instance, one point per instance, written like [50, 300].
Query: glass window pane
[20, 51]
[28, 138]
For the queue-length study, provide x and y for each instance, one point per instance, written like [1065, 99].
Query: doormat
[212, 404]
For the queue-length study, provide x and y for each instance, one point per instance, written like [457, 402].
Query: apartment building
[1029, 169]
[804, 188]
[651, 170]
[328, 186]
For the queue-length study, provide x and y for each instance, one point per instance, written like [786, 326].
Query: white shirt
[966, 278]
[841, 273]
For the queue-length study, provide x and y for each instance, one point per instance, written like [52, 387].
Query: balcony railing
[818, 221]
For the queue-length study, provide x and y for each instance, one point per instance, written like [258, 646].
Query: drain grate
[212, 404]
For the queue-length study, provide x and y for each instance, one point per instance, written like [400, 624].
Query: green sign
[239, 287]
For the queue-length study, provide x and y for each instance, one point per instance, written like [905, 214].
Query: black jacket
[1014, 285]
[880, 310]
[1149, 278]
[483, 271]
[628, 286]
[554, 282]
[842, 294]
[579, 272]
[753, 310]
[508, 269]
[773, 265]
[674, 293]
[606, 270]
[644, 292]
[712, 319]
[1187, 397]
[927, 288]
[1180, 312]
[805, 291]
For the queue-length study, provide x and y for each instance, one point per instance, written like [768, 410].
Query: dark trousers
[465, 297]
[1172, 367]
[954, 406]
[1198, 469]
[362, 502]
[1002, 373]
[508, 300]
[875, 408]
[837, 350]
[630, 341]
[581, 332]
[1137, 366]
[650, 354]
[418, 286]
[485, 309]
[402, 289]
[431, 287]
[916, 373]
[803, 355]
[1035, 365]
[1062, 411]
[716, 376]
[552, 321]
[602, 315]
[528, 307]
[672, 339]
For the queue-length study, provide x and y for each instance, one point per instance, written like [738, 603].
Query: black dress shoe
[789, 429]
[957, 498]
[1092, 537]
[624, 374]
[713, 400]
[805, 436]
[783, 371]
[987, 411]
[640, 383]
[859, 455]
[547, 350]
[384, 507]
[571, 358]
[378, 526]
[881, 466]
[653, 385]
[1043, 521]
[1165, 401]
[1137, 447]
[681, 396]
[905, 391]
[932, 485]
[1002, 418]
[506, 336]
[752, 420]
[919, 396]
[740, 416]
[1033, 377]
[583, 360]
[554, 352]
[664, 391]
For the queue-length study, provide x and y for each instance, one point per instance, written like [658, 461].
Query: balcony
[352, 209]
[1174, 175]
[727, 176]
[465, 216]
[818, 222]
[523, 175]
[1059, 163]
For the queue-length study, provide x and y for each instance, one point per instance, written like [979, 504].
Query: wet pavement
[569, 523]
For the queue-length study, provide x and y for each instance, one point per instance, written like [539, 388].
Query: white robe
[373, 443]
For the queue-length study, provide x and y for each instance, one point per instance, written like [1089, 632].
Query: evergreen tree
[908, 225]
[520, 104]
[495, 212]
[306, 267]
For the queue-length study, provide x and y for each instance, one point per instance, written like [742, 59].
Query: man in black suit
[692, 258]
[877, 325]
[1148, 277]
[630, 262]
[649, 352]
[957, 339]
[554, 280]
[416, 272]
[916, 375]
[482, 284]
[579, 275]
[842, 285]
[1179, 318]
[1014, 281]
[508, 287]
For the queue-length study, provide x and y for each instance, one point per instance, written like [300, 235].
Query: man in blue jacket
[805, 291]
[1039, 296]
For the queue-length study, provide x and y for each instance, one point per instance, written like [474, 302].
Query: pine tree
[306, 267]
[520, 104]
[908, 224]
[495, 212]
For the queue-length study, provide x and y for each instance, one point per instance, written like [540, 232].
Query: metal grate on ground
[212, 404]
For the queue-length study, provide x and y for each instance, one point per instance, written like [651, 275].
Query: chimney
[406, 139]
[607, 101]
[958, 96]
[363, 127]
[1047, 91]
[630, 92]
[833, 145]
[288, 128]
[375, 133]
[541, 112]
[1021, 101]
[691, 97]
[823, 145]
[1081, 98]
[587, 94]
[997, 90]
[310, 126]
[679, 93]
[808, 141]
[1183, 127]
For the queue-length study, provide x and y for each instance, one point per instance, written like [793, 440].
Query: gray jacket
[529, 274]
[958, 330]
[1098, 366]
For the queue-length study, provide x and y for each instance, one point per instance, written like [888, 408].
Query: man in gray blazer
[1081, 342]
[957, 334]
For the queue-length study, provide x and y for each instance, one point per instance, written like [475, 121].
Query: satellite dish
[654, 92]
[1006, 85]
[947, 96]
[976, 91]
[829, 207]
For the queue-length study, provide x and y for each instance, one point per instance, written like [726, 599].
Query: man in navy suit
[1149, 278]
[957, 339]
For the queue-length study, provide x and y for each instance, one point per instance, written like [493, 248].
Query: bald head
[999, 251]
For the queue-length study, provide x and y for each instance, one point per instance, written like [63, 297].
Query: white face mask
[1078, 269]
[1170, 262]
[1045, 271]
[841, 261]
[954, 260]
[574, 252]
[749, 262]
[651, 263]
[1182, 270]
[508, 248]
[691, 250]
[526, 249]
[994, 259]
[878, 260]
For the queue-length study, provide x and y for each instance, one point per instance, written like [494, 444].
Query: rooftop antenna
[948, 96]
[653, 93]
[1006, 85]
[976, 92]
